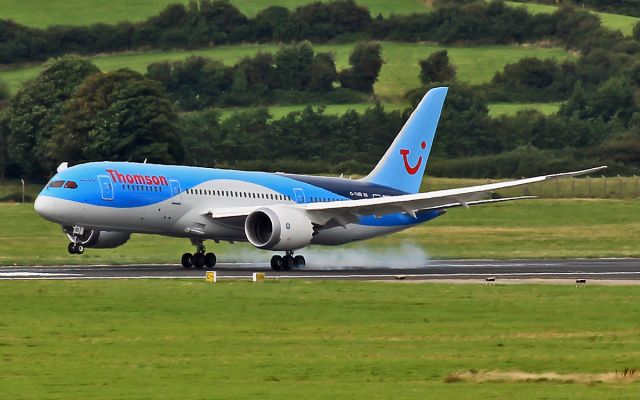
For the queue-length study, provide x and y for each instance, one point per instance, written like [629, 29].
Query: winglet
[575, 173]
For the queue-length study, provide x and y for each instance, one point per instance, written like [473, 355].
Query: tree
[323, 73]
[636, 31]
[437, 68]
[118, 115]
[4, 94]
[36, 109]
[613, 99]
[293, 66]
[366, 62]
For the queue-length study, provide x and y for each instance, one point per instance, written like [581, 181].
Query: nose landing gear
[75, 234]
[75, 248]
[287, 262]
[200, 258]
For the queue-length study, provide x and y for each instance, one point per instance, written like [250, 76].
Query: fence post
[573, 187]
[557, 188]
[620, 186]
[22, 180]
[604, 196]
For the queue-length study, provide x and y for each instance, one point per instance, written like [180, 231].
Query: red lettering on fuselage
[137, 178]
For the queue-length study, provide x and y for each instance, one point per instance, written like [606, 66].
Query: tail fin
[403, 165]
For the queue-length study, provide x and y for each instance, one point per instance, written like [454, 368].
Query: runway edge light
[211, 277]
[258, 276]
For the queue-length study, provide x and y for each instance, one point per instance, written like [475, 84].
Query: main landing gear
[287, 262]
[200, 258]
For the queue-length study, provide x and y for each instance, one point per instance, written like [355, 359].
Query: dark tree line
[213, 22]
[295, 74]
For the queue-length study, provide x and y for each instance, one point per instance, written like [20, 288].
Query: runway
[591, 269]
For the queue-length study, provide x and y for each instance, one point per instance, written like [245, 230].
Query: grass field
[330, 109]
[623, 23]
[43, 13]
[532, 228]
[317, 340]
[498, 109]
[399, 73]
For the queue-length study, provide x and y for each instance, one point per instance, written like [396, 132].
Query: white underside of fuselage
[185, 215]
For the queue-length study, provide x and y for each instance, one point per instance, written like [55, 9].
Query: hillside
[475, 64]
[43, 13]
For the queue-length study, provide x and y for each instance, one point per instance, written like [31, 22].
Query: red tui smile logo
[411, 169]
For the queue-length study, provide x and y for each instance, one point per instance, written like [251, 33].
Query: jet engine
[99, 239]
[278, 228]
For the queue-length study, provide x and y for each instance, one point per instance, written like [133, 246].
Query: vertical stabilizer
[402, 166]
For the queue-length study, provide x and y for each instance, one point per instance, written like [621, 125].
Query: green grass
[623, 23]
[476, 64]
[532, 228]
[278, 112]
[316, 340]
[498, 109]
[43, 13]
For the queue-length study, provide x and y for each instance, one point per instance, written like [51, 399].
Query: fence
[587, 187]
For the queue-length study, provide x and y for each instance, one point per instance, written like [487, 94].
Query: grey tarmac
[609, 269]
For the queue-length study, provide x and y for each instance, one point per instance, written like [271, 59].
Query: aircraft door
[106, 188]
[298, 195]
[176, 197]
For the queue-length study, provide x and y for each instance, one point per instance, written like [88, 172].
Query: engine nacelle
[278, 227]
[101, 239]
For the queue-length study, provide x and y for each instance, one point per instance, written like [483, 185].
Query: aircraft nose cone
[44, 206]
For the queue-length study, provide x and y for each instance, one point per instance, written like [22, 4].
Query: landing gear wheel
[198, 260]
[299, 261]
[187, 260]
[276, 263]
[287, 262]
[210, 260]
[79, 249]
[71, 248]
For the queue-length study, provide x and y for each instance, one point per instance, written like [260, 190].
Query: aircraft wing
[347, 211]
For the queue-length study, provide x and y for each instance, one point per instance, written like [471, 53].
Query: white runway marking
[54, 276]
[20, 274]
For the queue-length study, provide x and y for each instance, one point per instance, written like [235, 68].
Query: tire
[287, 263]
[187, 260]
[276, 263]
[71, 248]
[210, 260]
[80, 249]
[299, 261]
[198, 260]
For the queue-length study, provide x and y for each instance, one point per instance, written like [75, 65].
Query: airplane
[100, 204]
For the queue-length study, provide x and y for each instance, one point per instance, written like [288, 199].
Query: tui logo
[412, 169]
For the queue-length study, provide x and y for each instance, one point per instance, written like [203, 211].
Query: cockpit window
[71, 185]
[56, 184]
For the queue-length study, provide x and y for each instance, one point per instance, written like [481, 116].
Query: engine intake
[100, 239]
[278, 228]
